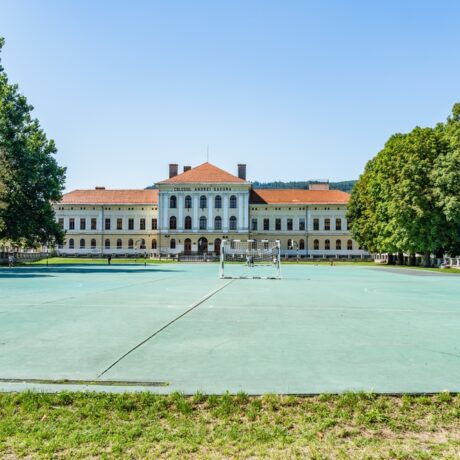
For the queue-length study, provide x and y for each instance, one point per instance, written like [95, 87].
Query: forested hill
[345, 186]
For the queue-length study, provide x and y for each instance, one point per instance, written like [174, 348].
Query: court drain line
[191, 308]
[128, 383]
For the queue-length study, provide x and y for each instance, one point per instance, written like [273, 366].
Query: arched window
[233, 202]
[93, 244]
[172, 243]
[316, 244]
[203, 202]
[302, 244]
[130, 243]
[154, 244]
[142, 246]
[233, 223]
[350, 245]
[173, 202]
[172, 223]
[107, 244]
[289, 244]
[203, 223]
[327, 245]
[338, 245]
[218, 223]
[71, 243]
[82, 243]
[188, 202]
[218, 202]
[188, 223]
[119, 244]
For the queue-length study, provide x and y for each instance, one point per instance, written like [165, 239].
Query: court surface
[177, 327]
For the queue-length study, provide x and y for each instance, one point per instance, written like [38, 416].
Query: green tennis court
[177, 327]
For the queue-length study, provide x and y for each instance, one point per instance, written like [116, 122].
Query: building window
[188, 223]
[277, 224]
[302, 244]
[130, 244]
[173, 202]
[338, 245]
[107, 244]
[350, 245]
[154, 244]
[119, 244]
[315, 224]
[327, 245]
[338, 224]
[203, 222]
[218, 202]
[254, 225]
[302, 225]
[327, 224]
[172, 244]
[172, 223]
[142, 246]
[71, 223]
[130, 224]
[107, 223]
[188, 202]
[82, 243]
[266, 225]
[154, 224]
[82, 223]
[71, 243]
[119, 224]
[289, 244]
[142, 224]
[316, 244]
[93, 223]
[289, 224]
[93, 244]
[233, 202]
[218, 223]
[203, 202]
[61, 222]
[233, 223]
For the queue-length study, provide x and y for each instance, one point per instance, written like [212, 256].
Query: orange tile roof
[298, 196]
[205, 173]
[102, 196]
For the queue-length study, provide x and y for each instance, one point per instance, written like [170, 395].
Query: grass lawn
[139, 425]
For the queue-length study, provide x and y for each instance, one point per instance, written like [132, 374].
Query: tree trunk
[427, 259]
[400, 258]
[412, 260]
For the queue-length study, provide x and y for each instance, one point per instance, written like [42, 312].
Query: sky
[297, 90]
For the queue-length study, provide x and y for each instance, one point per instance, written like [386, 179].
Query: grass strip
[140, 425]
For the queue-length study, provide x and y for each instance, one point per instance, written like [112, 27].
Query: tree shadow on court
[47, 271]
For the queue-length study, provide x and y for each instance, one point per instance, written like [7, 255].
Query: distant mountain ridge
[345, 186]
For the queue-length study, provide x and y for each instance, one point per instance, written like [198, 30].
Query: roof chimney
[187, 168]
[99, 188]
[242, 171]
[173, 169]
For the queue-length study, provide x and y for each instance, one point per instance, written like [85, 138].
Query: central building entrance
[187, 246]
[202, 245]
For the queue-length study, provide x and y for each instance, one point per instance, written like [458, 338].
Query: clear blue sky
[296, 90]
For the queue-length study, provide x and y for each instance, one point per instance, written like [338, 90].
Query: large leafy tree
[407, 199]
[30, 178]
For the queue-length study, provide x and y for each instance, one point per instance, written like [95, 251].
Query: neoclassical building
[192, 212]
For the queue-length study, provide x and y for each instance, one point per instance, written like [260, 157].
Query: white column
[195, 212]
[210, 213]
[180, 204]
[225, 207]
[240, 211]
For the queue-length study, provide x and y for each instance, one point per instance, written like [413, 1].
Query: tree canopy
[408, 198]
[30, 177]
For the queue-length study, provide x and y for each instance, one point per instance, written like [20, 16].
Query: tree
[30, 178]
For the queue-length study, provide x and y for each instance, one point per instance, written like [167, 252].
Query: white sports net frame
[250, 259]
